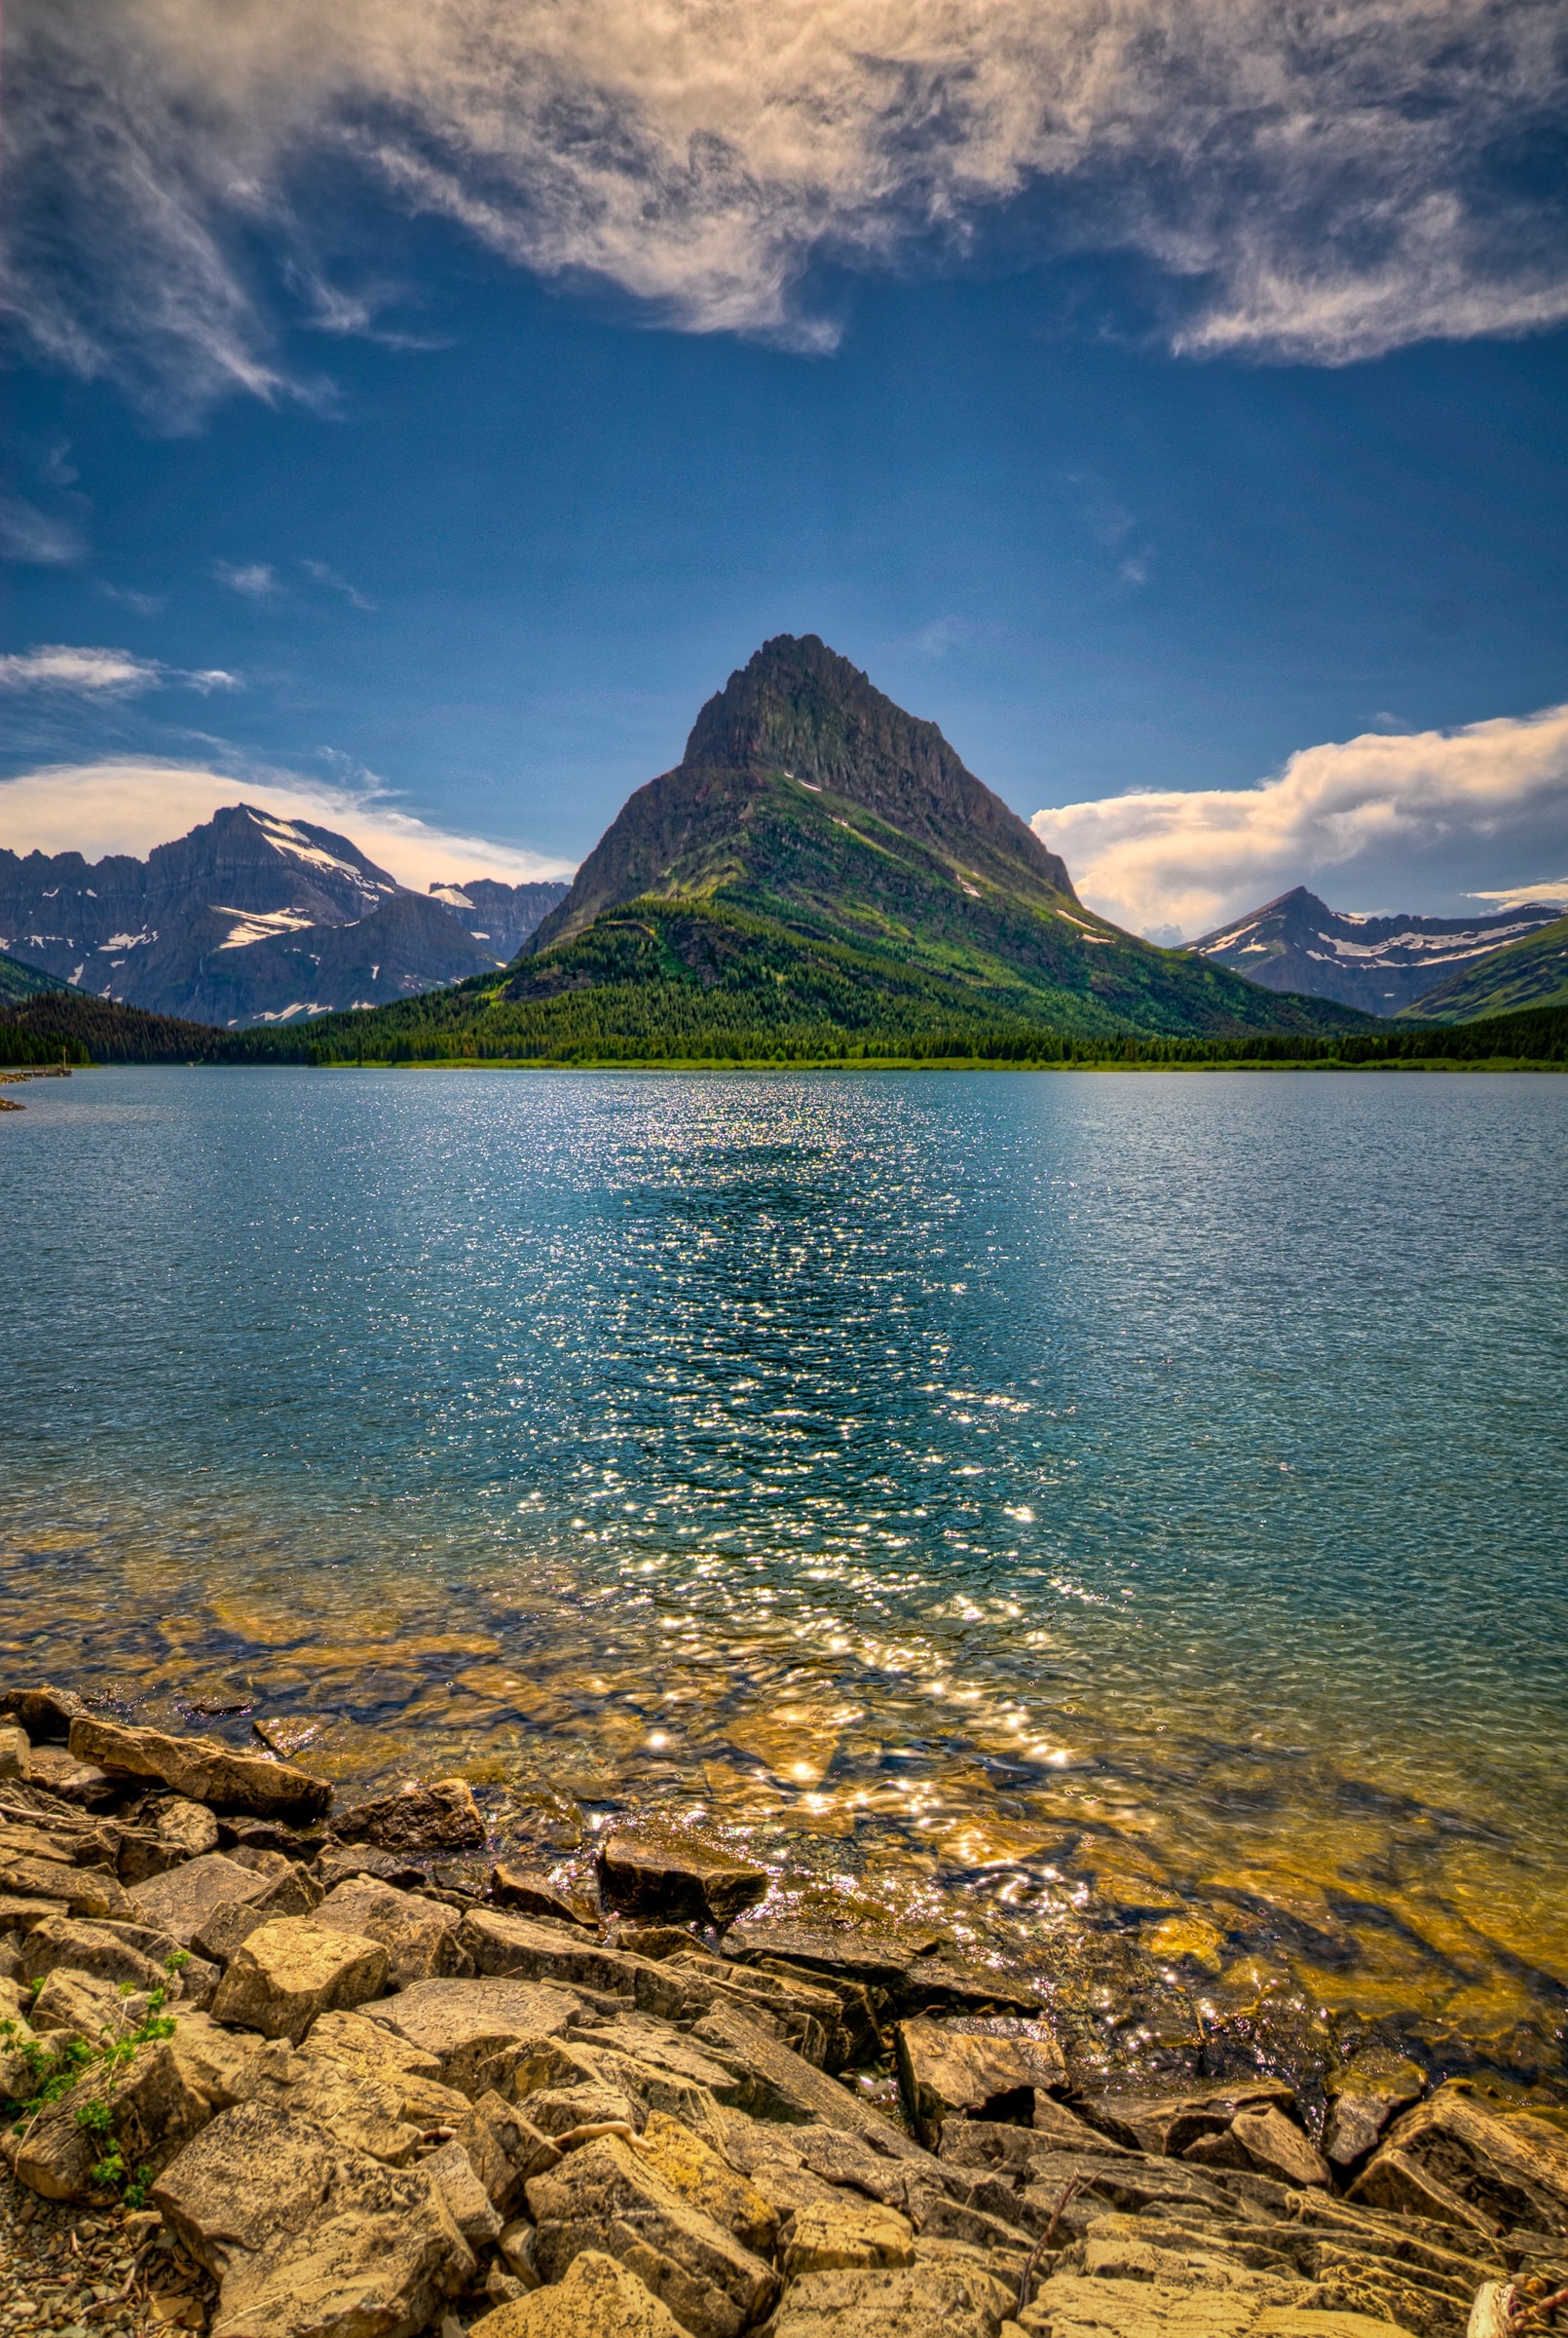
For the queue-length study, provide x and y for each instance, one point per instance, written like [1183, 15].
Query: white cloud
[1514, 896]
[65, 665]
[1328, 180]
[252, 578]
[1373, 823]
[128, 806]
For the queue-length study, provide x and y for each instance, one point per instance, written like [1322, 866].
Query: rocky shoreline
[278, 2070]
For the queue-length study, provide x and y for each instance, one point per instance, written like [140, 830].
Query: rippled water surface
[1131, 1502]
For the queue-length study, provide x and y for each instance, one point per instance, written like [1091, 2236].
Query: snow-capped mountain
[253, 919]
[1380, 965]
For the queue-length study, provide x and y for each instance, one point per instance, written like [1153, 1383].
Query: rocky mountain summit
[345, 2073]
[1382, 966]
[253, 919]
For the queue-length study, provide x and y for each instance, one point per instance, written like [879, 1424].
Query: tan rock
[290, 1971]
[181, 1900]
[1071, 2306]
[16, 1752]
[372, 2051]
[1456, 2161]
[958, 2066]
[504, 2150]
[187, 1827]
[81, 1891]
[475, 2029]
[1166, 2123]
[1362, 2098]
[443, 1817]
[1307, 2321]
[153, 2110]
[43, 1711]
[849, 2235]
[358, 2108]
[201, 1769]
[606, 2197]
[705, 2179]
[596, 2298]
[420, 1935]
[92, 1948]
[779, 2083]
[942, 2300]
[529, 1893]
[529, 1949]
[310, 2238]
[472, 2210]
[77, 2006]
[1267, 2142]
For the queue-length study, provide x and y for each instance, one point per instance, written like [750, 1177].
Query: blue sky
[1135, 478]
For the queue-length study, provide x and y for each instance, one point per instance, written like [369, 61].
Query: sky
[412, 411]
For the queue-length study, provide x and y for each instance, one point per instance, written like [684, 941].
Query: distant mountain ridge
[1382, 964]
[1531, 972]
[253, 919]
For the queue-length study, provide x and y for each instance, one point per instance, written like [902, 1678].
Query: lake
[1100, 1515]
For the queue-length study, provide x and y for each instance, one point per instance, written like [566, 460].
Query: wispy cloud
[253, 579]
[329, 576]
[1383, 822]
[128, 806]
[1319, 183]
[143, 604]
[98, 673]
[37, 539]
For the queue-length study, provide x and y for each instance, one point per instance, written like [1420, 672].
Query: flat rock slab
[1458, 2162]
[946, 2068]
[286, 1973]
[183, 1897]
[529, 1949]
[1362, 2098]
[201, 1769]
[96, 1949]
[443, 1817]
[674, 1877]
[780, 2084]
[474, 2030]
[597, 2297]
[1263, 2139]
[531, 1893]
[1166, 2123]
[918, 2301]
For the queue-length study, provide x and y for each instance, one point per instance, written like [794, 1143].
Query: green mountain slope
[17, 982]
[1532, 972]
[829, 856]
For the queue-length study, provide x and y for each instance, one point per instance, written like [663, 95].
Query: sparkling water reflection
[1037, 1503]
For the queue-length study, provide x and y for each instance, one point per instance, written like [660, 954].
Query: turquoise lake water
[1027, 1501]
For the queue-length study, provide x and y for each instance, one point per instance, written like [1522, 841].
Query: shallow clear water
[1045, 1502]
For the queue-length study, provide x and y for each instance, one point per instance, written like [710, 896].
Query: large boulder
[148, 2112]
[961, 2067]
[443, 1817]
[528, 1948]
[476, 2031]
[608, 2196]
[295, 1892]
[201, 1769]
[80, 1891]
[849, 2235]
[420, 1935]
[597, 2297]
[286, 1973]
[704, 2178]
[98, 1949]
[308, 2237]
[669, 1875]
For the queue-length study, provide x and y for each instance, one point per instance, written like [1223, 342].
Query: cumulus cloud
[98, 673]
[1328, 180]
[1374, 822]
[131, 805]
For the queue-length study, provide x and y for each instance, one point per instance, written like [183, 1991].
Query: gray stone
[670, 1875]
[443, 1817]
[1363, 2095]
[420, 1935]
[183, 1897]
[201, 1769]
[475, 2029]
[609, 2197]
[293, 1969]
[948, 2068]
[307, 2235]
